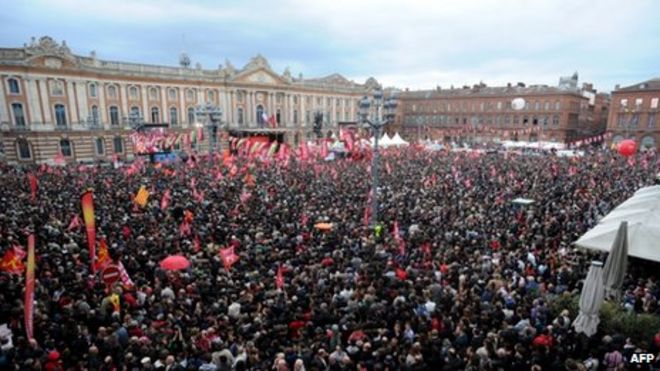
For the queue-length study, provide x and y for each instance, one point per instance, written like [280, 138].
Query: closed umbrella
[616, 263]
[175, 263]
[591, 299]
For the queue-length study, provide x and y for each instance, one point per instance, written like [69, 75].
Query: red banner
[34, 184]
[87, 202]
[29, 289]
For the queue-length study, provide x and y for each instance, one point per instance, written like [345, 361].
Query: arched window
[135, 111]
[555, 120]
[118, 144]
[133, 92]
[99, 145]
[95, 115]
[24, 150]
[153, 93]
[14, 87]
[239, 113]
[155, 115]
[190, 95]
[557, 105]
[174, 117]
[114, 116]
[260, 114]
[295, 116]
[112, 92]
[66, 148]
[171, 94]
[211, 96]
[191, 115]
[19, 114]
[93, 90]
[277, 116]
[60, 115]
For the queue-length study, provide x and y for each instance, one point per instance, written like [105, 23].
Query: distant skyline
[416, 44]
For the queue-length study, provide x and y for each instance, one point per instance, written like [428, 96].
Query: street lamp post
[376, 122]
[212, 116]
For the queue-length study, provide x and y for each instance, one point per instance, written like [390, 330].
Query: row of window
[633, 120]
[464, 106]
[481, 120]
[18, 113]
[57, 89]
[639, 103]
[66, 147]
[113, 112]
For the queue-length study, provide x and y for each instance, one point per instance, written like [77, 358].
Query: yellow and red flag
[104, 258]
[142, 196]
[29, 289]
[87, 203]
[12, 261]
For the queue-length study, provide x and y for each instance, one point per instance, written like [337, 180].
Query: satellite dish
[518, 104]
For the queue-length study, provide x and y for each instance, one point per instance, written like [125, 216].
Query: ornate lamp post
[376, 122]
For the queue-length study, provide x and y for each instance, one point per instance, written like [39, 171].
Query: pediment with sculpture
[261, 76]
[49, 53]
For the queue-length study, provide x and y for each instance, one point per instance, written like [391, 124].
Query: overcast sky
[414, 43]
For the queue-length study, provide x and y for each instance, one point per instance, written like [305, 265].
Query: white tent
[642, 212]
[398, 141]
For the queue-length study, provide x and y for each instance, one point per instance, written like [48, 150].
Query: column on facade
[303, 114]
[124, 100]
[81, 95]
[181, 91]
[146, 113]
[71, 98]
[45, 100]
[253, 107]
[32, 102]
[231, 108]
[289, 109]
[103, 107]
[343, 109]
[4, 109]
[163, 103]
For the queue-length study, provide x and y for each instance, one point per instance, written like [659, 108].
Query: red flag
[279, 278]
[272, 120]
[228, 257]
[33, 186]
[12, 262]
[87, 202]
[165, 201]
[426, 248]
[75, 223]
[29, 289]
[401, 274]
[124, 277]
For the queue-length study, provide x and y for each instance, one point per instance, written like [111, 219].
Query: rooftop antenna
[184, 59]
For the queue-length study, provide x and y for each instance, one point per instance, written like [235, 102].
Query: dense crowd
[465, 283]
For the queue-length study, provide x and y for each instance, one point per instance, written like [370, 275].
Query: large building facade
[635, 113]
[481, 113]
[53, 102]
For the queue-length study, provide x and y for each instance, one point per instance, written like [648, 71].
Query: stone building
[634, 113]
[55, 102]
[564, 113]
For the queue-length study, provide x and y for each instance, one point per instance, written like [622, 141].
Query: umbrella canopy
[175, 263]
[323, 226]
[642, 212]
[616, 264]
[591, 300]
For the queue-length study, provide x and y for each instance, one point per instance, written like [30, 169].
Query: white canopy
[398, 141]
[642, 212]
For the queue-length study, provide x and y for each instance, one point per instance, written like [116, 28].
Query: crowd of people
[456, 276]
